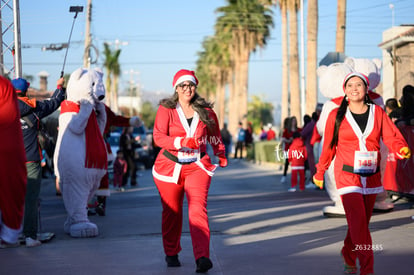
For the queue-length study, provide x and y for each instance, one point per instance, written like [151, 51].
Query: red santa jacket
[351, 139]
[297, 154]
[170, 128]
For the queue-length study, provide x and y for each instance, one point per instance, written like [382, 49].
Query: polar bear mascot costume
[80, 157]
[330, 85]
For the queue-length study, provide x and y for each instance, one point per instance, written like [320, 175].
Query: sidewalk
[257, 227]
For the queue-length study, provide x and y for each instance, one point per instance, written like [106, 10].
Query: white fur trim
[210, 173]
[8, 234]
[357, 189]
[103, 192]
[172, 179]
[185, 78]
[177, 143]
[190, 130]
[297, 167]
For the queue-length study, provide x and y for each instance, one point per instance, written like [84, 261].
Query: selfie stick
[76, 10]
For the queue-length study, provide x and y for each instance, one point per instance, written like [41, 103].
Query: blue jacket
[35, 112]
[241, 135]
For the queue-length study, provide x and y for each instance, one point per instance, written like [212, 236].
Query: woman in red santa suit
[353, 133]
[184, 123]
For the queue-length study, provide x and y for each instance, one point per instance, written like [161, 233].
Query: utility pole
[394, 53]
[17, 43]
[10, 37]
[117, 43]
[131, 73]
[87, 53]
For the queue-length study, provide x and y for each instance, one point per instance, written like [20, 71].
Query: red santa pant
[358, 242]
[294, 178]
[195, 183]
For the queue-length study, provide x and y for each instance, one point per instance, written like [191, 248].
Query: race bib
[188, 155]
[365, 162]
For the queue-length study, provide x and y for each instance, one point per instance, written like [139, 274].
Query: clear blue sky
[164, 36]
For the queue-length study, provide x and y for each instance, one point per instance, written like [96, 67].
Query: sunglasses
[186, 86]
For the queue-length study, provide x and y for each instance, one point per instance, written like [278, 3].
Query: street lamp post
[394, 51]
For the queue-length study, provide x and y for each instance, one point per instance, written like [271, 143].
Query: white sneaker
[310, 185]
[32, 243]
[292, 189]
[283, 179]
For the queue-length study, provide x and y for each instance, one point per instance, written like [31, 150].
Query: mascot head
[86, 84]
[331, 78]
[368, 67]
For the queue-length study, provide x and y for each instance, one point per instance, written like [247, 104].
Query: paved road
[257, 228]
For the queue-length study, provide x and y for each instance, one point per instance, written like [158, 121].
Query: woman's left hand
[222, 160]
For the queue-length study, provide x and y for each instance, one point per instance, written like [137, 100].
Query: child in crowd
[297, 155]
[120, 168]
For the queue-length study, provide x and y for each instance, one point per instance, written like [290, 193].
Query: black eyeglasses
[186, 86]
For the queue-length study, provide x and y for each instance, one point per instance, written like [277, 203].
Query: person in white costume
[80, 156]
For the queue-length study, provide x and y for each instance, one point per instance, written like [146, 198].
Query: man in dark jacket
[31, 112]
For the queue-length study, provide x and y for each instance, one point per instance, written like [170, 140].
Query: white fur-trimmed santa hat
[184, 75]
[363, 77]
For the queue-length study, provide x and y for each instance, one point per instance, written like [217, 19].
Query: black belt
[175, 159]
[350, 169]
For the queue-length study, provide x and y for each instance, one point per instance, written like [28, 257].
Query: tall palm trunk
[108, 96]
[340, 26]
[233, 103]
[115, 94]
[312, 57]
[285, 63]
[294, 63]
[220, 106]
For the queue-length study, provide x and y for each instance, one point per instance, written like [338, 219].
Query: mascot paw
[383, 206]
[84, 230]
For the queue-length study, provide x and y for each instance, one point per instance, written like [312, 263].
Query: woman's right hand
[190, 142]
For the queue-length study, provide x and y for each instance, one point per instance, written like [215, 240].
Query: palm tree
[285, 112]
[112, 67]
[340, 26]
[215, 62]
[293, 7]
[248, 22]
[312, 57]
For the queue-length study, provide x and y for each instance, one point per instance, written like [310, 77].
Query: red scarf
[96, 156]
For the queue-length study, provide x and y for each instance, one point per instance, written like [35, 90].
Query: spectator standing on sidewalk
[270, 135]
[120, 168]
[297, 157]
[226, 136]
[31, 112]
[241, 139]
[127, 145]
[286, 139]
[13, 175]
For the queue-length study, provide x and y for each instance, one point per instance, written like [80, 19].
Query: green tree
[148, 112]
[113, 70]
[249, 23]
[259, 112]
[213, 66]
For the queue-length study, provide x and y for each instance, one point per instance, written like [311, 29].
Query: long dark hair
[341, 115]
[198, 103]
